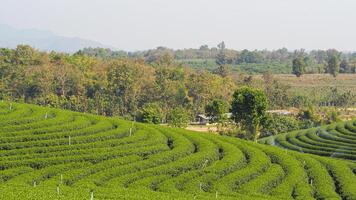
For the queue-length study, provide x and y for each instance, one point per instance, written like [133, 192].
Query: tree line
[250, 61]
[157, 91]
[118, 87]
[333, 62]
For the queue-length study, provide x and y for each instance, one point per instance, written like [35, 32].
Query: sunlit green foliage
[55, 154]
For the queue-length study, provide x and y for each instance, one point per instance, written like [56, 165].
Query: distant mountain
[43, 40]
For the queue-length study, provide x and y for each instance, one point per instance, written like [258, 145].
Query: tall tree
[298, 67]
[249, 109]
[333, 64]
[126, 81]
[345, 67]
[223, 58]
[221, 45]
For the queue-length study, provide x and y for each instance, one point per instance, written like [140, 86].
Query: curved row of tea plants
[54, 154]
[336, 140]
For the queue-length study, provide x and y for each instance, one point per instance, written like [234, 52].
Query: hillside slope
[43, 40]
[336, 140]
[55, 154]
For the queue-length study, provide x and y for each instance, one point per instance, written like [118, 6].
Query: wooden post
[58, 190]
[61, 178]
[69, 142]
[216, 194]
[34, 184]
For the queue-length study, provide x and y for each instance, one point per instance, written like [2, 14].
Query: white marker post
[132, 125]
[205, 163]
[92, 196]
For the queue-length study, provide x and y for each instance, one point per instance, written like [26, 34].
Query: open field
[203, 128]
[316, 82]
[55, 154]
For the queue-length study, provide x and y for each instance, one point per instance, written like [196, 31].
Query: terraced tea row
[336, 140]
[55, 154]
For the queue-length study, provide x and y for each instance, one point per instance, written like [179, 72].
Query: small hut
[202, 119]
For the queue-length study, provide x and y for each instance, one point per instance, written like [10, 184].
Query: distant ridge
[44, 40]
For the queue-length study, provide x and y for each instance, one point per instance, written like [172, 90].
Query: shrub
[275, 124]
[178, 117]
[151, 113]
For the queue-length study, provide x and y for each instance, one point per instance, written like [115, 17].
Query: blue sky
[143, 24]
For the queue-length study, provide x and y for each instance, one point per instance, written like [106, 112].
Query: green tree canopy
[298, 67]
[333, 65]
[345, 67]
[178, 117]
[249, 109]
[275, 124]
[152, 113]
[216, 110]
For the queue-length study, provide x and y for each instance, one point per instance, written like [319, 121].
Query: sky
[144, 24]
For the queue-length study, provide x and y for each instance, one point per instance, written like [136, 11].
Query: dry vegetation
[312, 82]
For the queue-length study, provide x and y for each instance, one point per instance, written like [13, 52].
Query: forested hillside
[44, 40]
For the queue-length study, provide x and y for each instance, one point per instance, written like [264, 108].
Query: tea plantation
[54, 154]
[337, 140]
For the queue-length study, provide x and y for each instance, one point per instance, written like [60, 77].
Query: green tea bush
[54, 154]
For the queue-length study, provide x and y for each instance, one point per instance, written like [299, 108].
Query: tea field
[337, 140]
[55, 154]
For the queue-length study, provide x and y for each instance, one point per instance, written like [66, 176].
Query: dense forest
[120, 87]
[133, 86]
